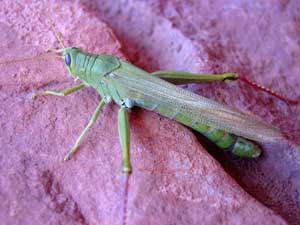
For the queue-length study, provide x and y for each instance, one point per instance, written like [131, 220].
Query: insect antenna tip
[56, 33]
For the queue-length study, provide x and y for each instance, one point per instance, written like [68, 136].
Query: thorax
[91, 69]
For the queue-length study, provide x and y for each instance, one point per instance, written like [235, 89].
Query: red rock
[257, 39]
[175, 181]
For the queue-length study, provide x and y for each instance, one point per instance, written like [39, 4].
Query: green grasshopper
[128, 86]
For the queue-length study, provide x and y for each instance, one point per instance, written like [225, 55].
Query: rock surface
[175, 181]
[257, 39]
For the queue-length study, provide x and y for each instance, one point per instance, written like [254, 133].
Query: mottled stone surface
[258, 39]
[175, 181]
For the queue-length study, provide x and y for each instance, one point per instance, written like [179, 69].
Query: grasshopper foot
[71, 152]
[67, 157]
[228, 77]
[34, 96]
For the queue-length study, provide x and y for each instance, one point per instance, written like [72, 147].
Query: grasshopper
[128, 86]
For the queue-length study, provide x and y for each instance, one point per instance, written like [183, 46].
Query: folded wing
[140, 85]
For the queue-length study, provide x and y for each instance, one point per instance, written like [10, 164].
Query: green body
[129, 86]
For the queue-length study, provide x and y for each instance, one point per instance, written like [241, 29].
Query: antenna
[28, 59]
[47, 55]
[57, 35]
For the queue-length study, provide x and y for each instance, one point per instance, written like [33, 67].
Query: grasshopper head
[70, 55]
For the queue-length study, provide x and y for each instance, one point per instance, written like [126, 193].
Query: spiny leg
[91, 122]
[60, 93]
[177, 77]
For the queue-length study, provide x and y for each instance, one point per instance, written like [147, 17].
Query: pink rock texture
[257, 39]
[175, 181]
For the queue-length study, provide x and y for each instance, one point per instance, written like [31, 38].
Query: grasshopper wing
[140, 86]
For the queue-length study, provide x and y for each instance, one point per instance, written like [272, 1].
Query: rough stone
[257, 39]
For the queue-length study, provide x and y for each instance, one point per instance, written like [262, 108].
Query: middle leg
[91, 122]
[124, 134]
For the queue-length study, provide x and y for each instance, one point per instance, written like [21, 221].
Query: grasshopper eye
[68, 59]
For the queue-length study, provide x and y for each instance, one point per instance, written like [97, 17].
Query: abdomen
[224, 140]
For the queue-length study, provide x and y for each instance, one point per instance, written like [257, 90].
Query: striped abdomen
[237, 145]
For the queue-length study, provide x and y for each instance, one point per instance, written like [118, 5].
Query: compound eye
[68, 59]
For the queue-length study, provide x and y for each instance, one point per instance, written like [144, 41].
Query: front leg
[177, 77]
[61, 93]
